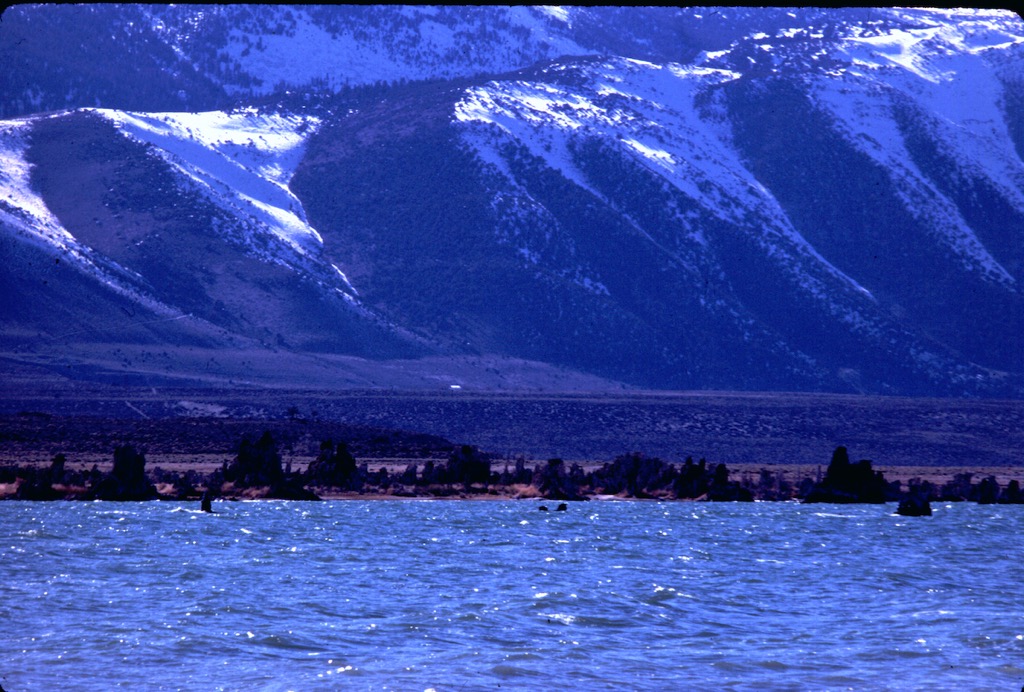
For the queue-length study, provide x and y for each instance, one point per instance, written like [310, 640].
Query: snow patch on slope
[431, 42]
[944, 65]
[543, 117]
[863, 112]
[650, 111]
[17, 199]
[897, 48]
[323, 56]
[244, 160]
[25, 212]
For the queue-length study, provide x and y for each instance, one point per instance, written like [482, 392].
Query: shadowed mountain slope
[675, 198]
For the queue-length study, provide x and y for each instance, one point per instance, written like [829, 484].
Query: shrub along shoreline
[257, 472]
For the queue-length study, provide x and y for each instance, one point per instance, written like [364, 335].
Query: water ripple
[472, 595]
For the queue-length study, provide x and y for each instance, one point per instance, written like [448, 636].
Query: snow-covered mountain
[729, 198]
[202, 58]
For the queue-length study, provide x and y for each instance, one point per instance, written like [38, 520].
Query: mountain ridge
[797, 200]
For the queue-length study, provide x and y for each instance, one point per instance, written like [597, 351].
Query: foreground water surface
[457, 595]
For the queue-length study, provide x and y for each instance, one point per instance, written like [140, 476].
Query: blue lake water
[467, 595]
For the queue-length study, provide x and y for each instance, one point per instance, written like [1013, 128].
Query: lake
[477, 595]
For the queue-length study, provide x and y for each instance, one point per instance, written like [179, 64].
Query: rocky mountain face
[683, 198]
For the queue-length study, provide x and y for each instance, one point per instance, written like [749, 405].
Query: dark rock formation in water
[57, 473]
[1011, 494]
[635, 475]
[127, 481]
[428, 476]
[724, 490]
[987, 491]
[958, 489]
[257, 471]
[692, 481]
[772, 486]
[185, 484]
[408, 476]
[519, 475]
[335, 467]
[37, 484]
[468, 465]
[847, 483]
[914, 506]
[554, 483]
[256, 464]
[36, 487]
